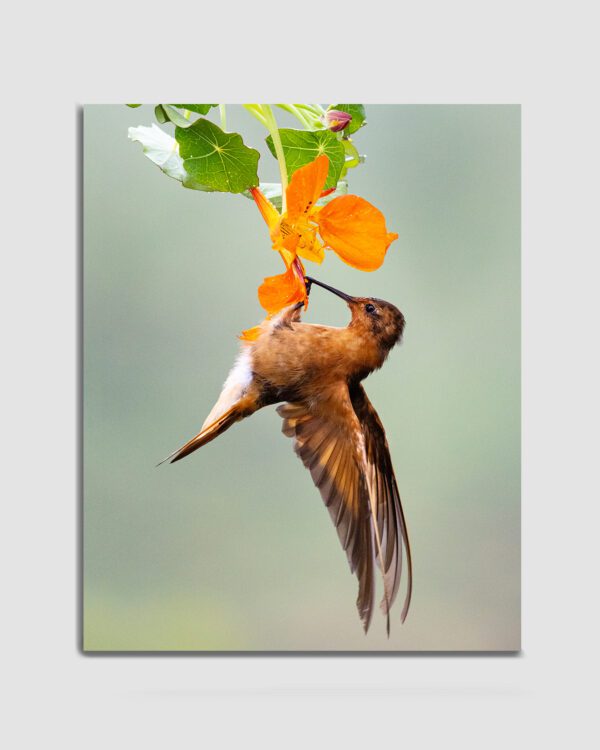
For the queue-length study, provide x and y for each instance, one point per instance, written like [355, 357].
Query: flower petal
[269, 213]
[305, 187]
[355, 230]
[251, 334]
[300, 239]
[310, 248]
[336, 120]
[277, 292]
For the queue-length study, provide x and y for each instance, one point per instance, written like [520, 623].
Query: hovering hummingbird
[317, 371]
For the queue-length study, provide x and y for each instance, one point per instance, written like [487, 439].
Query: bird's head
[371, 317]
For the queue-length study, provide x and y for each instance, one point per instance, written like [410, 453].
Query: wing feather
[325, 440]
[341, 441]
[382, 482]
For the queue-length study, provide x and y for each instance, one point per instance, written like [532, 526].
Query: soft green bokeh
[232, 548]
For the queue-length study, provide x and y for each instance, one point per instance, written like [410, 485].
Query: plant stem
[256, 111]
[271, 124]
[293, 110]
[223, 116]
[315, 109]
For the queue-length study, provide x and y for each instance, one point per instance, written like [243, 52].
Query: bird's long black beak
[330, 289]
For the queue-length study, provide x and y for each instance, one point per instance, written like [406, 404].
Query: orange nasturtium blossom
[350, 226]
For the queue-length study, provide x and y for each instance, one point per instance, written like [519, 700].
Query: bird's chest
[292, 363]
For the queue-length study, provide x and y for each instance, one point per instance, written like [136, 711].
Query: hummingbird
[316, 371]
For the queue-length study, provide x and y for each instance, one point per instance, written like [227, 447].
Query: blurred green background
[232, 548]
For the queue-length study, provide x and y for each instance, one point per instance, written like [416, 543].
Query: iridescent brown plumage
[317, 372]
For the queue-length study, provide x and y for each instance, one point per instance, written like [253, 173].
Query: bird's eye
[370, 308]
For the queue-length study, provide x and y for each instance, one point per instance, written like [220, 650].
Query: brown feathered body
[317, 372]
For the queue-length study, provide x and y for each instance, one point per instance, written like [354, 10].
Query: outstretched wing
[330, 440]
[383, 487]
[327, 438]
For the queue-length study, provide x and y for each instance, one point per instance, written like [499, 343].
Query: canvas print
[301, 371]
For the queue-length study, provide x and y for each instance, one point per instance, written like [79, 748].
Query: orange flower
[350, 226]
[277, 292]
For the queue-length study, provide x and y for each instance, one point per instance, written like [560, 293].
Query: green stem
[315, 109]
[293, 110]
[223, 116]
[271, 124]
[256, 111]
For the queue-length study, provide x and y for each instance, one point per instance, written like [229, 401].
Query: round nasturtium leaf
[300, 147]
[217, 159]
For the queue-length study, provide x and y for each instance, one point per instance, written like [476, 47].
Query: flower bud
[336, 120]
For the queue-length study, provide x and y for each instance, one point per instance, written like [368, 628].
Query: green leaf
[168, 113]
[303, 146]
[358, 116]
[133, 106]
[163, 150]
[160, 114]
[217, 159]
[201, 109]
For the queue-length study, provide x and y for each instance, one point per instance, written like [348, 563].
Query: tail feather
[237, 412]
